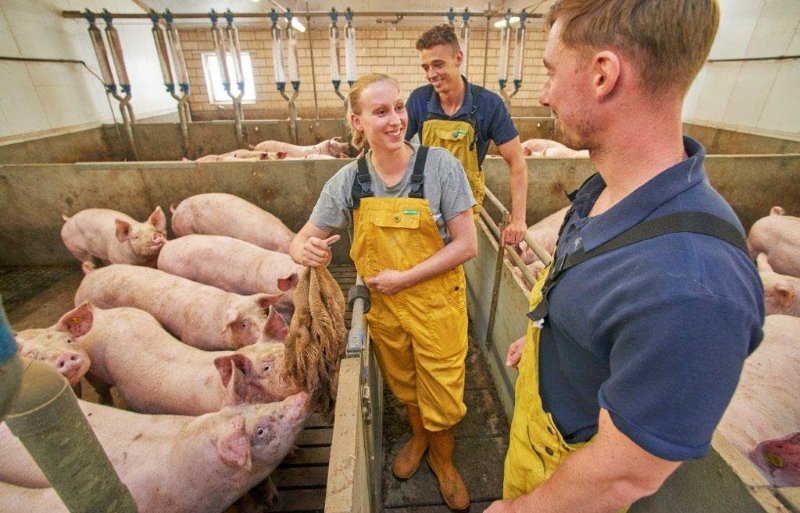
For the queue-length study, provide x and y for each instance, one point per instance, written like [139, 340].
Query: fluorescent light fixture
[298, 25]
[501, 24]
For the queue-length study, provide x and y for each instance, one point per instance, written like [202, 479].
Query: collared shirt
[656, 332]
[493, 121]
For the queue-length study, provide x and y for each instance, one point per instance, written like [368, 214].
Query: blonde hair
[354, 105]
[668, 40]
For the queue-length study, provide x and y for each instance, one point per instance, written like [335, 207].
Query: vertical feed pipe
[519, 52]
[50, 424]
[350, 49]
[10, 365]
[116, 51]
[100, 52]
[160, 40]
[465, 41]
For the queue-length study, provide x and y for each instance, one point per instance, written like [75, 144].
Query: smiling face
[567, 91]
[382, 116]
[441, 66]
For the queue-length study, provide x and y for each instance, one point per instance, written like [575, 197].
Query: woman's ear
[355, 121]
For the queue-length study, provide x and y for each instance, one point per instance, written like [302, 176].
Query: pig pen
[35, 195]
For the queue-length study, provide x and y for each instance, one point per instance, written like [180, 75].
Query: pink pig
[545, 233]
[113, 237]
[57, 345]
[334, 147]
[233, 265]
[781, 292]
[200, 315]
[226, 214]
[170, 463]
[778, 236]
[156, 373]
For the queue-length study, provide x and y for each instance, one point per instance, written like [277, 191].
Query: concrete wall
[33, 197]
[753, 96]
[40, 99]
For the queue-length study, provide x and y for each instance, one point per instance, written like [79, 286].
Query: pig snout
[158, 240]
[72, 366]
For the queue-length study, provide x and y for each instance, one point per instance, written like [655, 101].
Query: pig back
[765, 404]
[226, 214]
[195, 313]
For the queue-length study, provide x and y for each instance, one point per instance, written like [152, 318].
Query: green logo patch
[458, 133]
[409, 212]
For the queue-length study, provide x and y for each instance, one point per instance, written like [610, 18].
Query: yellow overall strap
[459, 138]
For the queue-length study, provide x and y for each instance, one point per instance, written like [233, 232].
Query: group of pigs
[763, 420]
[189, 331]
[278, 150]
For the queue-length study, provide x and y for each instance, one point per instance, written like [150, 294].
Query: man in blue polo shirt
[640, 328]
[462, 117]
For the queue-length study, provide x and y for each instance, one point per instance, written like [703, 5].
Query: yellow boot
[440, 459]
[410, 455]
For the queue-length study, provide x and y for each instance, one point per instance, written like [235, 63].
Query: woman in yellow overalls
[410, 209]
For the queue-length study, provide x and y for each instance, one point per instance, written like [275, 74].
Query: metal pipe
[313, 73]
[539, 251]
[313, 14]
[160, 40]
[498, 269]
[100, 51]
[10, 365]
[486, 46]
[350, 49]
[465, 41]
[334, 57]
[356, 338]
[502, 65]
[519, 52]
[116, 51]
[178, 61]
[48, 421]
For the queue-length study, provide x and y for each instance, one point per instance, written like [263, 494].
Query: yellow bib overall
[459, 138]
[535, 446]
[419, 333]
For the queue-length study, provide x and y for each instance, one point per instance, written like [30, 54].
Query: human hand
[387, 281]
[317, 252]
[515, 352]
[514, 232]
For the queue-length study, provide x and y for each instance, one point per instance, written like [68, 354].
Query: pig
[777, 236]
[765, 404]
[113, 237]
[243, 155]
[156, 373]
[200, 315]
[226, 214]
[781, 293]
[334, 147]
[545, 233]
[549, 148]
[170, 463]
[779, 459]
[57, 345]
[233, 265]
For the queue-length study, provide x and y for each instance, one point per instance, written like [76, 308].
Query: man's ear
[606, 69]
[459, 58]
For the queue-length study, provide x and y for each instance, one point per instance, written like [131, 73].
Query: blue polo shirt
[492, 119]
[655, 332]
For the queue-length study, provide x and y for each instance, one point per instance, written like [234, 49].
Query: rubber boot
[440, 459]
[410, 455]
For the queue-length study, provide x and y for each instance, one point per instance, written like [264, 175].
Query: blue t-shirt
[655, 332]
[492, 120]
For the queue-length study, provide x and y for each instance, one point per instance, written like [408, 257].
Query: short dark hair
[439, 35]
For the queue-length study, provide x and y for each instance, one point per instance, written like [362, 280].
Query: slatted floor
[38, 296]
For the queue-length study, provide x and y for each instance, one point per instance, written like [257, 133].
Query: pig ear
[785, 294]
[282, 154]
[232, 371]
[123, 230]
[158, 219]
[762, 262]
[526, 151]
[233, 445]
[288, 283]
[77, 322]
[264, 301]
[276, 326]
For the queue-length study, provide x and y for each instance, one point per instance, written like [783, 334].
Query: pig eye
[70, 341]
[266, 367]
[261, 432]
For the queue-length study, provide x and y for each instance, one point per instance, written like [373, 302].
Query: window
[216, 92]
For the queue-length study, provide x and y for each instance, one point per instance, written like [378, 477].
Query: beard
[580, 134]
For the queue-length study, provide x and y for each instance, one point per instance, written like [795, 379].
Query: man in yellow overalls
[410, 208]
[452, 113]
[640, 327]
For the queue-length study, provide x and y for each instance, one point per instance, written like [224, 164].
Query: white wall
[759, 97]
[41, 99]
